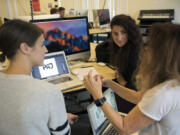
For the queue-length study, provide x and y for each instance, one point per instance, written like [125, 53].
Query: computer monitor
[38, 17]
[68, 34]
[83, 12]
[104, 16]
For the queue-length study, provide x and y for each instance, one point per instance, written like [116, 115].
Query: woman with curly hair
[122, 52]
[158, 81]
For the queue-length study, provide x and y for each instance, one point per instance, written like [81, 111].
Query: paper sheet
[81, 72]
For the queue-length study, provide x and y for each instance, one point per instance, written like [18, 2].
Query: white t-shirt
[31, 107]
[162, 104]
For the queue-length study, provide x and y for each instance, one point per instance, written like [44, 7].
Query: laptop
[55, 70]
[99, 123]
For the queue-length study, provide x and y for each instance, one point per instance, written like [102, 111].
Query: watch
[100, 102]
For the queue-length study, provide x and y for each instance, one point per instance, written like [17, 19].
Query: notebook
[99, 123]
[55, 70]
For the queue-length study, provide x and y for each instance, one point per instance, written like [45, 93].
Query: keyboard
[60, 80]
[111, 131]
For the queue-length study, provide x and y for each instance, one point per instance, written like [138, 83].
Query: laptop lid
[97, 117]
[55, 64]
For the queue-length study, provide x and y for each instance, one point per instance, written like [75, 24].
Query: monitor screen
[68, 34]
[54, 65]
[104, 16]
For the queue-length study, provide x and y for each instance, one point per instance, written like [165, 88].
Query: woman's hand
[72, 118]
[94, 85]
[120, 78]
[105, 82]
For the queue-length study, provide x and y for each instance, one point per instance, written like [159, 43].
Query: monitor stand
[76, 60]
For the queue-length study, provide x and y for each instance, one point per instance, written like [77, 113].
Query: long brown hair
[160, 59]
[120, 56]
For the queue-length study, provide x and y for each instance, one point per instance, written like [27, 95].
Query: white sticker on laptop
[49, 68]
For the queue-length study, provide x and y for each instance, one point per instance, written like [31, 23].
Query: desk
[103, 70]
[98, 31]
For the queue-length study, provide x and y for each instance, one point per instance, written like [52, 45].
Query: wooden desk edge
[107, 73]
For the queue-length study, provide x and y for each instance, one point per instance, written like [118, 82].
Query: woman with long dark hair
[122, 51]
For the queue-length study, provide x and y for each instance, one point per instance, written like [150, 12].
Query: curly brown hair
[160, 59]
[120, 55]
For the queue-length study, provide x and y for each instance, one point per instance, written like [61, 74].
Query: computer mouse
[101, 64]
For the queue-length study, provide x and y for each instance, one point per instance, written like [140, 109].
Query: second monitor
[101, 18]
[104, 16]
[68, 34]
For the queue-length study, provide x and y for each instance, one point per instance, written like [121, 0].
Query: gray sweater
[31, 107]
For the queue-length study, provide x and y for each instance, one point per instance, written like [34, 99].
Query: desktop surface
[103, 70]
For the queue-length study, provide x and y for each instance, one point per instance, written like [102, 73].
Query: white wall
[23, 7]
[3, 9]
[131, 7]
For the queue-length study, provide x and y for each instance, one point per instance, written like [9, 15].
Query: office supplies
[99, 123]
[55, 70]
[101, 64]
[81, 72]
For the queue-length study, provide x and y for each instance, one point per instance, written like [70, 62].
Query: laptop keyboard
[111, 131]
[60, 80]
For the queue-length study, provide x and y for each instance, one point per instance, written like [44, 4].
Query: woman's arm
[123, 125]
[126, 93]
[133, 122]
[120, 78]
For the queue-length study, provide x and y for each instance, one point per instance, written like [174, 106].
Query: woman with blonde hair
[158, 80]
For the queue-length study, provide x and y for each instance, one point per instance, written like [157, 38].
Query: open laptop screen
[97, 116]
[55, 64]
